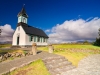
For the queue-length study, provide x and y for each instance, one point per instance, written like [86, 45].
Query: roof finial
[23, 5]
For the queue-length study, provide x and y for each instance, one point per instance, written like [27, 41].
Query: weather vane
[23, 5]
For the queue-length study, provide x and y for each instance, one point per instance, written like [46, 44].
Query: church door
[18, 40]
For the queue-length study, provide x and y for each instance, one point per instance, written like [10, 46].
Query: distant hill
[6, 42]
[80, 41]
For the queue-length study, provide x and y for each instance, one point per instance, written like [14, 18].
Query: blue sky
[46, 14]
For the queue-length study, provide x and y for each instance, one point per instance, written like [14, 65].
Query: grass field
[5, 45]
[11, 51]
[35, 68]
[71, 52]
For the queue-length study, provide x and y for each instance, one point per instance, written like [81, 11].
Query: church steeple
[22, 16]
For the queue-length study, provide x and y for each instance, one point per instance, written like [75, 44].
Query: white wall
[21, 35]
[28, 42]
[24, 38]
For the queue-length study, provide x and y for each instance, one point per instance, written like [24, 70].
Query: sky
[62, 20]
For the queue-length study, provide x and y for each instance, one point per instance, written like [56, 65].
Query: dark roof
[22, 13]
[32, 30]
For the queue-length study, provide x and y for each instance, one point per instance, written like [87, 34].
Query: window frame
[34, 37]
[30, 38]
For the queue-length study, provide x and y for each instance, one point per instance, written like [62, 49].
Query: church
[25, 35]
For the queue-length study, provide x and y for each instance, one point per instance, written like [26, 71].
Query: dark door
[18, 40]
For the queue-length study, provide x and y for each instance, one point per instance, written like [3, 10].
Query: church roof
[22, 13]
[32, 30]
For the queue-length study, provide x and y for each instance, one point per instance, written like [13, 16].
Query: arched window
[24, 20]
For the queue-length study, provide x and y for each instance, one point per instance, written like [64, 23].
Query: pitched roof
[32, 30]
[22, 13]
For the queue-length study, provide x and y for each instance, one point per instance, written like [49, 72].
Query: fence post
[34, 49]
[51, 49]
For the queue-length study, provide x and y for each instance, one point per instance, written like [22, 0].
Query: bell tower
[22, 16]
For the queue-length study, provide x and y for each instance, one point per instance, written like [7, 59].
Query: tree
[97, 42]
[86, 42]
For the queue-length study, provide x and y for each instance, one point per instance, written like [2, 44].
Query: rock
[13, 54]
[4, 58]
[18, 54]
[23, 54]
[1, 57]
[51, 49]
[7, 55]
[30, 53]
[34, 49]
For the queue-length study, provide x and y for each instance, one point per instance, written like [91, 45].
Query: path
[87, 66]
[10, 65]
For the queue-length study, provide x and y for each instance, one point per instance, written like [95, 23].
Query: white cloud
[74, 30]
[7, 33]
[48, 30]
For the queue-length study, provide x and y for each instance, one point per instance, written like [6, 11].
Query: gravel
[87, 66]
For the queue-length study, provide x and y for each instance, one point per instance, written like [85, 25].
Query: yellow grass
[5, 45]
[73, 56]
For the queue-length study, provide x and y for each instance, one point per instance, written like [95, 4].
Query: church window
[34, 38]
[38, 39]
[24, 20]
[19, 19]
[31, 38]
[43, 39]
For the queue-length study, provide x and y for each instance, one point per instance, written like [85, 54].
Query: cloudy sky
[62, 20]
[74, 30]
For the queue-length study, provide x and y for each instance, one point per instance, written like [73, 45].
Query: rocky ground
[88, 66]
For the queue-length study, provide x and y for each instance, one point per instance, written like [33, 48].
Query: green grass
[10, 51]
[73, 55]
[5, 45]
[71, 46]
[43, 48]
[34, 68]
[77, 46]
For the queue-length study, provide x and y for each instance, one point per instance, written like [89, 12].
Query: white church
[26, 35]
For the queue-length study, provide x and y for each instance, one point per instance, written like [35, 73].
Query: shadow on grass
[96, 45]
[2, 53]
